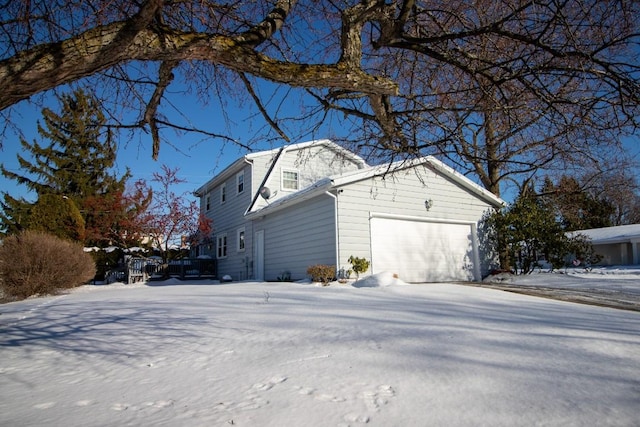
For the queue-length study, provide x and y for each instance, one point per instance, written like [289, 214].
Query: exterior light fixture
[428, 204]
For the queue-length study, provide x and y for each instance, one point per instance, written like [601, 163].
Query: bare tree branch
[500, 87]
[263, 111]
[165, 77]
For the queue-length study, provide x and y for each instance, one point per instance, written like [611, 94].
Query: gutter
[221, 177]
[335, 222]
[318, 188]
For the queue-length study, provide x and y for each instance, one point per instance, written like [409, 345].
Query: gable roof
[347, 154]
[617, 234]
[329, 183]
[436, 164]
[237, 165]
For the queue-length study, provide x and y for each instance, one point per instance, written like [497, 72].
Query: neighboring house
[277, 212]
[618, 245]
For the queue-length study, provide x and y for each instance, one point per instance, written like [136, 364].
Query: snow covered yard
[271, 354]
[616, 286]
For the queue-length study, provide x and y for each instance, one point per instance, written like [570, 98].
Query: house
[618, 245]
[277, 212]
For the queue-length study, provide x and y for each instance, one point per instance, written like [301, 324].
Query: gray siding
[298, 237]
[615, 253]
[227, 218]
[312, 163]
[403, 193]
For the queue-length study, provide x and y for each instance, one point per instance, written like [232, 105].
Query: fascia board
[318, 188]
[440, 167]
[228, 172]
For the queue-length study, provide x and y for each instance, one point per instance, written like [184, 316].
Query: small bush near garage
[322, 273]
[359, 265]
[37, 263]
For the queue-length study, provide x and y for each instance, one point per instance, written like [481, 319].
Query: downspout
[335, 221]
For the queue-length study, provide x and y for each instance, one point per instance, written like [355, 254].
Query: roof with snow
[239, 163]
[329, 183]
[617, 234]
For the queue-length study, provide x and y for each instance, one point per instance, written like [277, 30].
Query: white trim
[242, 240]
[435, 164]
[223, 237]
[419, 218]
[223, 193]
[244, 184]
[348, 154]
[223, 176]
[336, 227]
[292, 198]
[258, 254]
[282, 179]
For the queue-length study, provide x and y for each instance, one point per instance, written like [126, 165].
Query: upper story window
[223, 193]
[207, 201]
[290, 180]
[240, 182]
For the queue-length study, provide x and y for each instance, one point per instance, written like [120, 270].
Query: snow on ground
[290, 354]
[617, 287]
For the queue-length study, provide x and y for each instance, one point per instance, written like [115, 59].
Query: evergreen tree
[14, 214]
[529, 228]
[576, 208]
[59, 216]
[75, 163]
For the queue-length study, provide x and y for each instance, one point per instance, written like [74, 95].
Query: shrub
[360, 265]
[36, 263]
[57, 215]
[322, 273]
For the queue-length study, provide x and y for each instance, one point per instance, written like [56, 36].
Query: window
[240, 182]
[222, 246]
[207, 201]
[289, 180]
[241, 239]
[223, 193]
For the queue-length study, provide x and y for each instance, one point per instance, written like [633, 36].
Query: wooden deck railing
[143, 269]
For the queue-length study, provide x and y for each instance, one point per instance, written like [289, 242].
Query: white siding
[298, 237]
[404, 193]
[312, 163]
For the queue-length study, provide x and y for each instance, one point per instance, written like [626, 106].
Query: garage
[421, 250]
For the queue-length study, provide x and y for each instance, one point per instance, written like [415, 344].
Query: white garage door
[422, 251]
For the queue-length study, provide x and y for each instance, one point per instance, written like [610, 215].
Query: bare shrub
[322, 273]
[37, 263]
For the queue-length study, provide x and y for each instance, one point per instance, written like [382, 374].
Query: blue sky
[198, 157]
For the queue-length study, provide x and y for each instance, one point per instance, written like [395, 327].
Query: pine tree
[14, 215]
[75, 163]
[576, 207]
[530, 228]
[59, 216]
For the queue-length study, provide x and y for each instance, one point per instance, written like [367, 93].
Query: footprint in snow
[45, 405]
[330, 398]
[268, 385]
[378, 397]
[252, 402]
[120, 406]
[355, 418]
